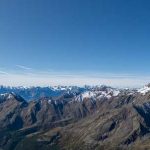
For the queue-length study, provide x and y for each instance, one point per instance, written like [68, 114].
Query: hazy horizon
[23, 76]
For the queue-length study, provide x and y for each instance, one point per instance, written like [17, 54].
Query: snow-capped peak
[98, 93]
[144, 90]
[88, 94]
[7, 96]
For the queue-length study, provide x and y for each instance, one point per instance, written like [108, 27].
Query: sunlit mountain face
[91, 116]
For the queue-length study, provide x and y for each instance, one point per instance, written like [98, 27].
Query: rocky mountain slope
[97, 118]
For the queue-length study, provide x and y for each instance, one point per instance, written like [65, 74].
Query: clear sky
[43, 42]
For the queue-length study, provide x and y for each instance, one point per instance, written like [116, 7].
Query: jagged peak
[144, 89]
[11, 95]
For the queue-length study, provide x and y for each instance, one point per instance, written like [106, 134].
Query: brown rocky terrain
[120, 121]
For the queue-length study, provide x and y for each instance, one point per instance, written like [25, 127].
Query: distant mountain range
[34, 93]
[74, 118]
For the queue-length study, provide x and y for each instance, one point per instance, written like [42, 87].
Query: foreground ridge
[99, 117]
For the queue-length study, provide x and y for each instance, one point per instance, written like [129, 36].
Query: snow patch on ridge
[88, 94]
[98, 94]
[144, 90]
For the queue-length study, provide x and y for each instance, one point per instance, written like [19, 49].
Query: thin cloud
[23, 67]
[15, 79]
[3, 73]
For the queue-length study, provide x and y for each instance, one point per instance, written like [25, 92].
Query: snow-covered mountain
[34, 93]
[145, 89]
[78, 93]
[98, 93]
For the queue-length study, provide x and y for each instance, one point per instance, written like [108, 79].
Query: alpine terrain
[74, 118]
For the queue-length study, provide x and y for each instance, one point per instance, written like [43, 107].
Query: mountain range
[74, 118]
[34, 93]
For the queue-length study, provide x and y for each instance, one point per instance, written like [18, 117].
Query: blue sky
[91, 41]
